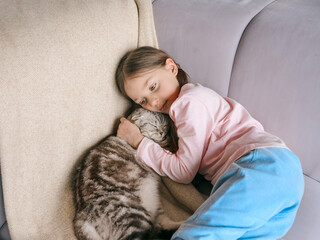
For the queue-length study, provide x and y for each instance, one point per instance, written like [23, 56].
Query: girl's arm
[194, 124]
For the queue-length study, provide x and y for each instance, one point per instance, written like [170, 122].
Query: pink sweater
[213, 133]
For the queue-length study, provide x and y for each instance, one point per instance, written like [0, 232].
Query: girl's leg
[279, 223]
[256, 198]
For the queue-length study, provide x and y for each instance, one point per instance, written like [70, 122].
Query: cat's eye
[153, 86]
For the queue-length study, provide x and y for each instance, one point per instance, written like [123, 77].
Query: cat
[116, 195]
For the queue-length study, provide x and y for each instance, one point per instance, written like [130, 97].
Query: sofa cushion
[203, 36]
[58, 97]
[276, 75]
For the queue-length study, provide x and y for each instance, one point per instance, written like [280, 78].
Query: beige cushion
[57, 98]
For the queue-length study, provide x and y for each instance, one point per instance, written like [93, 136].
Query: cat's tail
[164, 227]
[164, 222]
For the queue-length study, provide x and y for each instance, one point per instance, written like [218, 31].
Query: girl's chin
[165, 107]
[166, 111]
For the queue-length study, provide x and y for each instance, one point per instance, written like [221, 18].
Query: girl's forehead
[141, 78]
[133, 83]
[134, 86]
[144, 72]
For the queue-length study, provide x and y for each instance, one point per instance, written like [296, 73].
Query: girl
[258, 182]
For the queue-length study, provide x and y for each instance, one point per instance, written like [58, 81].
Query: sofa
[58, 97]
[265, 55]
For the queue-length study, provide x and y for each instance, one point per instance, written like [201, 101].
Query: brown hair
[143, 59]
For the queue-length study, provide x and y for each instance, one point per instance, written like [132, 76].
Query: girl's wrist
[139, 140]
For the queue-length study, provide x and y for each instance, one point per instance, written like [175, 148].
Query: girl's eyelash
[153, 86]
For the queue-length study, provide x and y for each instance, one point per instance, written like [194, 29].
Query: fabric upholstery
[276, 77]
[279, 65]
[58, 97]
[4, 232]
[274, 69]
[203, 36]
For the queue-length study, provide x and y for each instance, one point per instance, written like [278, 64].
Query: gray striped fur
[116, 195]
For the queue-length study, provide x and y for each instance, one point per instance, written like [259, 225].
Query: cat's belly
[149, 194]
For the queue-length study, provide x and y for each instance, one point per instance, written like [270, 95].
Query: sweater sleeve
[192, 121]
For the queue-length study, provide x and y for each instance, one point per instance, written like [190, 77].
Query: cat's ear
[172, 66]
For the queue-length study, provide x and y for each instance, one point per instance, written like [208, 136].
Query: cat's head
[153, 125]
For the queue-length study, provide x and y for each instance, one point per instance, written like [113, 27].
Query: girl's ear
[172, 66]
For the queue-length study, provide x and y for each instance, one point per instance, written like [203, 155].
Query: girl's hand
[129, 132]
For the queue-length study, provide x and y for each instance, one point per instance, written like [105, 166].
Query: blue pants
[257, 198]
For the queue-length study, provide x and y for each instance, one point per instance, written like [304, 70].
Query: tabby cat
[116, 195]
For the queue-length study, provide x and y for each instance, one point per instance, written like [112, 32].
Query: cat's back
[111, 187]
[107, 164]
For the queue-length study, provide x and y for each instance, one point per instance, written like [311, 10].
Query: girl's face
[155, 89]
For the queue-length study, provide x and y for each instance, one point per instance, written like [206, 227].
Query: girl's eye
[153, 86]
[143, 101]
